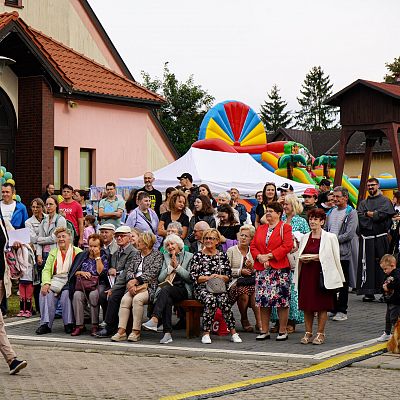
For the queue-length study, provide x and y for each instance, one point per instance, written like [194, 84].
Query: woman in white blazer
[318, 272]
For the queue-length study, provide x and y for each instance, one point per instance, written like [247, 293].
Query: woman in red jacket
[271, 243]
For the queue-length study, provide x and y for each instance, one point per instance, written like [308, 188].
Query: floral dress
[298, 224]
[206, 265]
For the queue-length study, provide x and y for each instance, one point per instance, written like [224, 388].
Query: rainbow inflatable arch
[234, 127]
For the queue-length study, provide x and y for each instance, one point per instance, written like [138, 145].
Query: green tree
[394, 71]
[272, 112]
[186, 104]
[314, 115]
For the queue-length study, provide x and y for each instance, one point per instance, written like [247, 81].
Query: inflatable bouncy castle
[232, 126]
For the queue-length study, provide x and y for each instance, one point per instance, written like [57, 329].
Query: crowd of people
[288, 259]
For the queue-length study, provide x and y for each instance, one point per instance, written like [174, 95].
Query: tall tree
[314, 115]
[394, 71]
[272, 112]
[186, 105]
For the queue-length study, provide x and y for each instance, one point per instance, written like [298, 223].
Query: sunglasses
[210, 238]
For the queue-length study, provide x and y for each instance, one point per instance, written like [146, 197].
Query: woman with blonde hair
[242, 289]
[210, 271]
[141, 285]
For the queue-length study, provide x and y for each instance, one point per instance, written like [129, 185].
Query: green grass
[13, 305]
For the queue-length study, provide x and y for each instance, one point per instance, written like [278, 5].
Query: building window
[13, 3]
[59, 167]
[86, 168]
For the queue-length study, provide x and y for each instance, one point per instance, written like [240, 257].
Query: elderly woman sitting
[175, 285]
[210, 271]
[55, 282]
[140, 278]
[242, 289]
[86, 280]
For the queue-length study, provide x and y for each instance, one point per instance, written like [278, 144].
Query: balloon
[8, 175]
[11, 181]
[3, 170]
[2, 180]
[18, 198]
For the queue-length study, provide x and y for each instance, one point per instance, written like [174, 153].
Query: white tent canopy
[220, 171]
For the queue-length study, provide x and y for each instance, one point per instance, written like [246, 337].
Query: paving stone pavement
[366, 322]
[72, 374]
[346, 383]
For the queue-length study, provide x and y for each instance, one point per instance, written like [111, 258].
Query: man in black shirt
[155, 195]
[192, 191]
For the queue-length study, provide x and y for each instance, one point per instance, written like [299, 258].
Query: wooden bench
[193, 310]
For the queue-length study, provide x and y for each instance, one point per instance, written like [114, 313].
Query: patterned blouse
[89, 265]
[206, 265]
[298, 224]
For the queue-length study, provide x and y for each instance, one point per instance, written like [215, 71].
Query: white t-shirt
[8, 210]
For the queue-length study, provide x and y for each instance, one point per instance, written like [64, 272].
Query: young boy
[391, 293]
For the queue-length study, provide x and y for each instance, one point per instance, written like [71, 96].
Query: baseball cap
[325, 182]
[186, 175]
[311, 192]
[110, 227]
[123, 230]
[286, 187]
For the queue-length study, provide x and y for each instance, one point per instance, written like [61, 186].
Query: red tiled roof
[389, 89]
[79, 72]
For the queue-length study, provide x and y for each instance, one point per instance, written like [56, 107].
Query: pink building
[67, 118]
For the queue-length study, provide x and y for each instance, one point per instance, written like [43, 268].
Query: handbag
[58, 282]
[86, 285]
[216, 285]
[246, 280]
[141, 288]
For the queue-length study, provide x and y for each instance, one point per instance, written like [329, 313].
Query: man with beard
[375, 216]
[154, 194]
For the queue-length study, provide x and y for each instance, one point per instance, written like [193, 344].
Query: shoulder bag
[216, 285]
[57, 282]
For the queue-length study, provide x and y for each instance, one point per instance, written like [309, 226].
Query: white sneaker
[384, 337]
[205, 339]
[236, 338]
[331, 314]
[166, 339]
[340, 317]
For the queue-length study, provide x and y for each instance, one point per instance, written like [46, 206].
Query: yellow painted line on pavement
[317, 368]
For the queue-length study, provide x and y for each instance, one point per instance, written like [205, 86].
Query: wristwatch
[98, 258]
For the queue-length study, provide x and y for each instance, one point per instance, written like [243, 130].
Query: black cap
[325, 182]
[186, 175]
[286, 187]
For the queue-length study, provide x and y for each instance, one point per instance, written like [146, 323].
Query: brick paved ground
[366, 321]
[73, 374]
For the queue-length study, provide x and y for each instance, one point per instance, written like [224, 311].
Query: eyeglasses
[210, 238]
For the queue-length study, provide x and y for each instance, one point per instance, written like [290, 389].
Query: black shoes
[181, 324]
[17, 365]
[368, 298]
[43, 329]
[104, 333]
[68, 328]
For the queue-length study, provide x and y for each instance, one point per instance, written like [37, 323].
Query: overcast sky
[238, 49]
